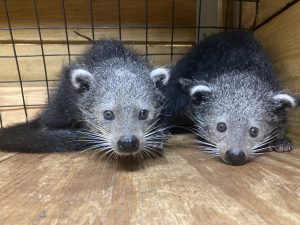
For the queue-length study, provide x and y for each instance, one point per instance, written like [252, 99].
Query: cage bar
[16, 59]
[146, 28]
[42, 48]
[172, 30]
[92, 20]
[66, 29]
[119, 20]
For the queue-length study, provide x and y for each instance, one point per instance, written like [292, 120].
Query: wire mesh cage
[37, 37]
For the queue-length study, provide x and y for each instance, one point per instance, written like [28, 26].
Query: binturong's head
[120, 101]
[238, 117]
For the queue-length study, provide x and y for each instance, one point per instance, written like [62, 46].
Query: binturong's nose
[236, 157]
[128, 144]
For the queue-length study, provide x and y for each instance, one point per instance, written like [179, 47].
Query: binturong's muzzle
[128, 144]
[236, 157]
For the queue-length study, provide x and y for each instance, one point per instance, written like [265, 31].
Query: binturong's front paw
[283, 145]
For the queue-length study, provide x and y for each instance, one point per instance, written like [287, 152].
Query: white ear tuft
[199, 94]
[160, 75]
[80, 78]
[286, 99]
[199, 88]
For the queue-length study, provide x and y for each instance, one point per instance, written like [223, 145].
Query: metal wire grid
[92, 27]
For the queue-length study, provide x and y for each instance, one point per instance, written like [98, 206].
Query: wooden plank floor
[184, 187]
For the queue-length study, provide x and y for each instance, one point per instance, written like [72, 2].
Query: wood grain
[186, 187]
[35, 98]
[268, 8]
[248, 14]
[22, 13]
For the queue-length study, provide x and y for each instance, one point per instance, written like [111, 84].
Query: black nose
[128, 144]
[236, 157]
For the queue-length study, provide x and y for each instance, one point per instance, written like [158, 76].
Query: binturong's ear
[199, 93]
[160, 76]
[81, 79]
[285, 101]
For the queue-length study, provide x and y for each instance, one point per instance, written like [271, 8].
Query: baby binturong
[109, 100]
[228, 88]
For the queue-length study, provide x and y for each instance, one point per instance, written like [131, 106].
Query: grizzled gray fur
[108, 100]
[228, 87]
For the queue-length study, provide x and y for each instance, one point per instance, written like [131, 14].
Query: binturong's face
[237, 124]
[122, 111]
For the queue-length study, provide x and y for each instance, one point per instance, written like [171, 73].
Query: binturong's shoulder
[222, 53]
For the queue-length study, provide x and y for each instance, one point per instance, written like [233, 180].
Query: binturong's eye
[108, 115]
[253, 131]
[221, 127]
[143, 114]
